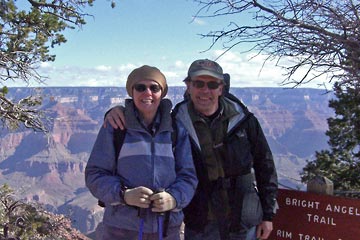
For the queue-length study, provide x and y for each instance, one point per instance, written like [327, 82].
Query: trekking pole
[166, 224]
[160, 218]
[141, 214]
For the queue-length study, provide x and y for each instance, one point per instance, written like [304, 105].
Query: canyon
[49, 168]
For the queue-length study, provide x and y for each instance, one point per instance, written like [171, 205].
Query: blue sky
[160, 33]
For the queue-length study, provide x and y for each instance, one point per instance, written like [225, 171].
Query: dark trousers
[113, 233]
[211, 232]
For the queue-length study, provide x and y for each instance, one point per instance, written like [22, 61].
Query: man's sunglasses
[210, 85]
[154, 88]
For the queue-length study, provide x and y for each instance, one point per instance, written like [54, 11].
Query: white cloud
[245, 71]
[127, 67]
[252, 70]
[103, 68]
[198, 21]
[180, 64]
[45, 65]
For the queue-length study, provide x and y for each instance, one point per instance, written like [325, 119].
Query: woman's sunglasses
[154, 88]
[210, 85]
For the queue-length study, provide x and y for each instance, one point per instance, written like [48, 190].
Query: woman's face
[147, 96]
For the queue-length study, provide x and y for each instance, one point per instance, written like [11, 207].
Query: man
[229, 149]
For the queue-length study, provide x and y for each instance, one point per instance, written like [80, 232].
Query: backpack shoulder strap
[174, 132]
[118, 139]
[173, 140]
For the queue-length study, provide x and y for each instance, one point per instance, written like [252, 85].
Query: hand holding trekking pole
[162, 202]
[139, 197]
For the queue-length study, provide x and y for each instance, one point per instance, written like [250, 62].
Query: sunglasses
[154, 88]
[210, 85]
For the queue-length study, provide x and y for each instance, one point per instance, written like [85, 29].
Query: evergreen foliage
[22, 220]
[341, 163]
[28, 29]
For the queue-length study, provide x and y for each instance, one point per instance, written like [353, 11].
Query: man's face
[204, 93]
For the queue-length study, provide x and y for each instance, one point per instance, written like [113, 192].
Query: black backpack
[118, 139]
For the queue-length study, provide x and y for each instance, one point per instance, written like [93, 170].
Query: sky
[160, 33]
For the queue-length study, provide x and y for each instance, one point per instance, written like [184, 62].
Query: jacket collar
[162, 118]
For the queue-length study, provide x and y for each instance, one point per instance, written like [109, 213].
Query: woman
[152, 176]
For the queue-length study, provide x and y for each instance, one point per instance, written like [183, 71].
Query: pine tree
[28, 30]
[26, 220]
[341, 163]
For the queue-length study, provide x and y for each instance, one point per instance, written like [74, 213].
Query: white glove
[139, 197]
[162, 202]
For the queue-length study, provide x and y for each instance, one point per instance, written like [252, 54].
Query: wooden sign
[310, 216]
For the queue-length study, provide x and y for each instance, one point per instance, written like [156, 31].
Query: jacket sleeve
[183, 188]
[264, 166]
[99, 177]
